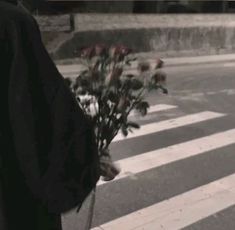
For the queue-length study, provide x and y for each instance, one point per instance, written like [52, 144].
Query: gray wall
[168, 35]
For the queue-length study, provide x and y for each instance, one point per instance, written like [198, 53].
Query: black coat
[41, 122]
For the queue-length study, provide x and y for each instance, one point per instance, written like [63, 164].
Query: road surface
[178, 170]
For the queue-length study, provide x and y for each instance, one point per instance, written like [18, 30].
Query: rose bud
[113, 51]
[159, 63]
[122, 52]
[88, 52]
[125, 50]
[143, 66]
[119, 52]
[100, 49]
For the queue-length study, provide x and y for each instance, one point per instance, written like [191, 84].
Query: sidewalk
[71, 67]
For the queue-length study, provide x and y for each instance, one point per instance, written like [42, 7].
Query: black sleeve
[53, 140]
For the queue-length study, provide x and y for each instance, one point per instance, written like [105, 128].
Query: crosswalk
[170, 124]
[180, 211]
[183, 209]
[191, 206]
[157, 158]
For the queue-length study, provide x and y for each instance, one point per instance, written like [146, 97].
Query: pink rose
[124, 50]
[88, 52]
[100, 49]
[119, 52]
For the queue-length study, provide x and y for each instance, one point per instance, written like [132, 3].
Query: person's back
[19, 207]
[49, 160]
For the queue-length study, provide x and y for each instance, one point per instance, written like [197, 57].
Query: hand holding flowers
[108, 91]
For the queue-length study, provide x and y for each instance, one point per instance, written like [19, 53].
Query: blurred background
[168, 28]
[58, 7]
[195, 39]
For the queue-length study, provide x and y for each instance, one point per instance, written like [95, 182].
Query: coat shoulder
[12, 14]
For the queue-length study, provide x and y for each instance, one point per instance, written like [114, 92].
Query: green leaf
[133, 125]
[84, 72]
[81, 91]
[112, 96]
[127, 84]
[82, 82]
[132, 59]
[143, 111]
[129, 75]
[136, 84]
[105, 109]
[124, 130]
[164, 90]
[142, 107]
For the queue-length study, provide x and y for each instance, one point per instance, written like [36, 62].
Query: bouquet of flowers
[108, 89]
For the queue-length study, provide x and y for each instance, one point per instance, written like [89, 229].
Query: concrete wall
[60, 23]
[167, 35]
[110, 7]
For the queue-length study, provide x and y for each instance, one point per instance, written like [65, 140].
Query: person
[49, 161]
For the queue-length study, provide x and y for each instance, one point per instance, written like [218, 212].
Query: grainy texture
[55, 23]
[169, 35]
[49, 157]
[88, 22]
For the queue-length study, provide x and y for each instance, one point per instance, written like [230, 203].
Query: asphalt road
[208, 93]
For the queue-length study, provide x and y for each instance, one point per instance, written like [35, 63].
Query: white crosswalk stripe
[176, 212]
[186, 208]
[157, 158]
[170, 124]
[156, 108]
[180, 211]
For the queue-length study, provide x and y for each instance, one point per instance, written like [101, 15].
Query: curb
[199, 60]
[72, 66]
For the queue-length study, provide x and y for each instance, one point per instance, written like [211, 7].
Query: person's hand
[109, 170]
